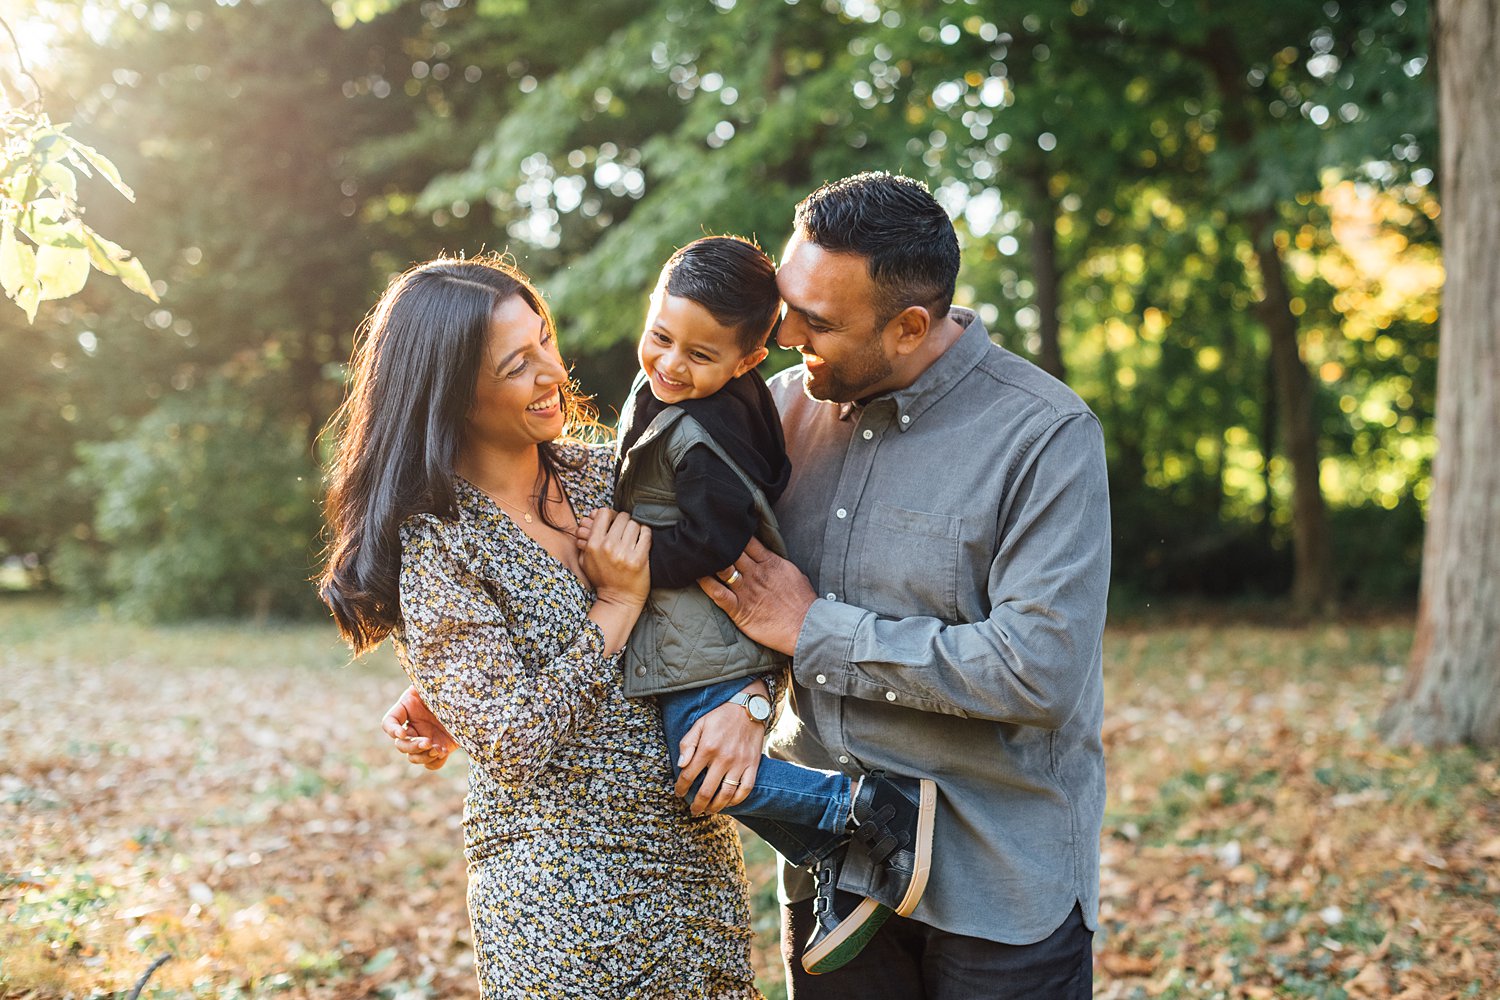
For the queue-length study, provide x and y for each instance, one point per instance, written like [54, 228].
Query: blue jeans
[800, 811]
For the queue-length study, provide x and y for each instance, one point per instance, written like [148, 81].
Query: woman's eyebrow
[505, 361]
[541, 327]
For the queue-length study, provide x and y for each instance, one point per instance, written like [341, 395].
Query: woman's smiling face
[517, 396]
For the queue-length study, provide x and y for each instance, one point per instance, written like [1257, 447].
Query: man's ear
[911, 325]
[750, 360]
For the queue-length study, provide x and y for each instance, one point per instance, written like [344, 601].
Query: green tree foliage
[1125, 178]
[208, 507]
[1134, 181]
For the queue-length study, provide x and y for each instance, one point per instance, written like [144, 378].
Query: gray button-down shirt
[957, 533]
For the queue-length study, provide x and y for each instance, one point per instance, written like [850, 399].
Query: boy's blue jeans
[800, 811]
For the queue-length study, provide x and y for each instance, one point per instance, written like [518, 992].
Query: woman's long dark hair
[400, 427]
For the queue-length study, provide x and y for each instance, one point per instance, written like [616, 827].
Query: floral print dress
[588, 877]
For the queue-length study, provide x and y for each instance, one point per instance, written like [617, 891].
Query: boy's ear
[750, 360]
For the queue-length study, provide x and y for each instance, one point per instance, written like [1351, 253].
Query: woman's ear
[749, 361]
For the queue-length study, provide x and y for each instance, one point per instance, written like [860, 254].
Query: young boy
[701, 460]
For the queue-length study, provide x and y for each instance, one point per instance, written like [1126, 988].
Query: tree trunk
[1044, 271]
[1269, 421]
[1452, 688]
[1312, 555]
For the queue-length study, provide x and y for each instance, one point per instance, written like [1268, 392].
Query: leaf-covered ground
[221, 794]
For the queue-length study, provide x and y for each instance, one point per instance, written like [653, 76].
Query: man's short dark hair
[898, 227]
[733, 279]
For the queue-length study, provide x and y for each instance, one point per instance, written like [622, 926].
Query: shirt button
[843, 758]
[890, 696]
[841, 513]
[905, 419]
[869, 434]
[640, 671]
[821, 678]
[830, 597]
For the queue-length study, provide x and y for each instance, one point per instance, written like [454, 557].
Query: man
[947, 524]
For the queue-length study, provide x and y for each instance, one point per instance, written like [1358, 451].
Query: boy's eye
[700, 356]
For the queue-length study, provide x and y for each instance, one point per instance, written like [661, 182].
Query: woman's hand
[615, 552]
[417, 732]
[724, 746]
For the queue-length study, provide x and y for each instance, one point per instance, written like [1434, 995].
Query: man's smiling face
[831, 319]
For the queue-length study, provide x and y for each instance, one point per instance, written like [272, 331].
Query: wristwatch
[757, 706]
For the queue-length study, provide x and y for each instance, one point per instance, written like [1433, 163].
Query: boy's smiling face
[686, 353]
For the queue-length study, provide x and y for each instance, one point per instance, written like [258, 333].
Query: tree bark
[1452, 688]
[1269, 421]
[1312, 553]
[1045, 271]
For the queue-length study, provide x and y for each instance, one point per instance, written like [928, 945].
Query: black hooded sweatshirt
[718, 512]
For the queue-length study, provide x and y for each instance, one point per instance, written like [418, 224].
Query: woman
[453, 514]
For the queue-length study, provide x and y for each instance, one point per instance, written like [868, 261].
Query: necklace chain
[525, 511]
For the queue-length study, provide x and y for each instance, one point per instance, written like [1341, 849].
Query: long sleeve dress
[588, 877]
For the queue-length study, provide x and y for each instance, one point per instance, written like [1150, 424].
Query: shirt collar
[945, 372]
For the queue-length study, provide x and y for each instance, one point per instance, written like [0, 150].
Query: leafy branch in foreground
[46, 249]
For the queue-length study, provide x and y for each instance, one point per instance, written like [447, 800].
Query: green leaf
[62, 181]
[133, 273]
[111, 258]
[17, 262]
[105, 255]
[61, 271]
[28, 298]
[379, 961]
[50, 145]
[100, 163]
[49, 223]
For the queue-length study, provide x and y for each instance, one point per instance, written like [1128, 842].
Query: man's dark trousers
[908, 960]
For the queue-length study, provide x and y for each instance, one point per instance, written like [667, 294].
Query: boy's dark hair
[895, 224]
[733, 279]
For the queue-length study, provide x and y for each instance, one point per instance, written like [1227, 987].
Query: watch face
[759, 708]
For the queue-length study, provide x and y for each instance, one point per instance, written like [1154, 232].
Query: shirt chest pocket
[906, 563]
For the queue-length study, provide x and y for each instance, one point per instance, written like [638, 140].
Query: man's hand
[768, 598]
[417, 732]
[725, 747]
